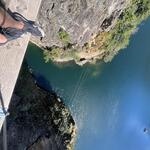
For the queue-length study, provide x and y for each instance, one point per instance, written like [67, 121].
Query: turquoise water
[110, 102]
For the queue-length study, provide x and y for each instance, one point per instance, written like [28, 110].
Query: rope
[77, 86]
[85, 75]
[3, 109]
[3, 114]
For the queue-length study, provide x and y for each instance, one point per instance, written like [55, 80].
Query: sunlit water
[110, 102]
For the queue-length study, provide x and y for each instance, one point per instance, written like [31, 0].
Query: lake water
[110, 102]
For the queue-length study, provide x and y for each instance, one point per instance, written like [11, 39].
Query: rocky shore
[38, 119]
[85, 30]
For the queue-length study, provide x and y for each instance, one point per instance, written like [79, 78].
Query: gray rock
[79, 18]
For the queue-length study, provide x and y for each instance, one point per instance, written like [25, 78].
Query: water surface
[110, 102]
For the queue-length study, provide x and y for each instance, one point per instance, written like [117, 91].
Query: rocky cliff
[79, 18]
[85, 30]
[38, 119]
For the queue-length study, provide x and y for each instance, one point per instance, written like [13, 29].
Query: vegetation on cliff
[118, 37]
[36, 114]
[106, 44]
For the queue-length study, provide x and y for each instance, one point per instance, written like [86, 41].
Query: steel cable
[81, 80]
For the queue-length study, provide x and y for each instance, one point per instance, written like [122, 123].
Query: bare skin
[2, 39]
[7, 21]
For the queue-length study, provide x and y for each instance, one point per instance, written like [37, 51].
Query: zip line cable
[81, 80]
[77, 85]
[81, 83]
[75, 90]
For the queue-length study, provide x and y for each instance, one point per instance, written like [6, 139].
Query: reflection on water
[110, 102]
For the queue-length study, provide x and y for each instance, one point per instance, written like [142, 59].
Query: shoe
[10, 34]
[29, 26]
[13, 33]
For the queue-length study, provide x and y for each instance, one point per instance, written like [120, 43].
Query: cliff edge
[86, 30]
[38, 119]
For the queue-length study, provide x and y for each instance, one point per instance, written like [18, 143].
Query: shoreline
[103, 44]
[38, 117]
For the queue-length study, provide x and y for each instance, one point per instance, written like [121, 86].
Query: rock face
[38, 119]
[81, 19]
[88, 30]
